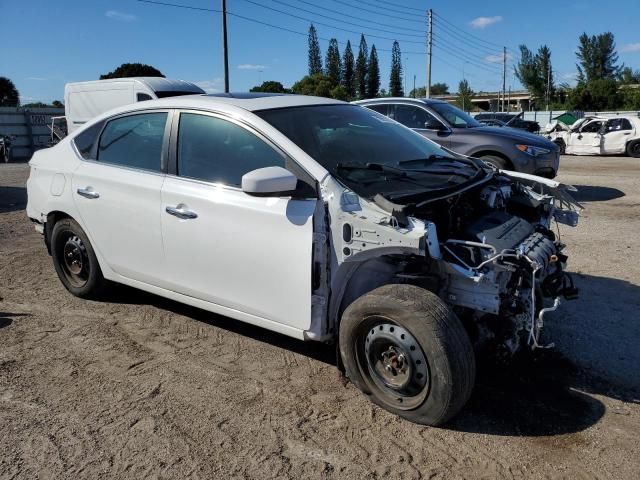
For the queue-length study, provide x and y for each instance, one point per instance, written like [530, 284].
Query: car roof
[424, 101]
[247, 101]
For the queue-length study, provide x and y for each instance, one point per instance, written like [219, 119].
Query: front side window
[415, 117]
[216, 150]
[134, 141]
[593, 127]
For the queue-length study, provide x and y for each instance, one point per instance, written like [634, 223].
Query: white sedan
[314, 218]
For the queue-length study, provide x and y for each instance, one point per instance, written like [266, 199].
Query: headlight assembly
[531, 150]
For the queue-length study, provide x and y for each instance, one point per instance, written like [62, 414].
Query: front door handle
[181, 211]
[88, 192]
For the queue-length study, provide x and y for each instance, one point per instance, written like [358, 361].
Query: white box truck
[86, 100]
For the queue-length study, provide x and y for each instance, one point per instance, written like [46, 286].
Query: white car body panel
[241, 252]
[579, 142]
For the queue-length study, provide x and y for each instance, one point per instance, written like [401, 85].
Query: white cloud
[211, 86]
[630, 48]
[123, 17]
[482, 22]
[38, 79]
[251, 66]
[569, 76]
[497, 58]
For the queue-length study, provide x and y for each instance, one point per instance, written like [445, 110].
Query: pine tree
[333, 64]
[315, 59]
[597, 57]
[361, 68]
[465, 94]
[373, 77]
[348, 78]
[395, 79]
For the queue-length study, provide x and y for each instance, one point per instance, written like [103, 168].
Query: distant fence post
[27, 123]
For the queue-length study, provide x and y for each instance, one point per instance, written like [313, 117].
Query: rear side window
[378, 108]
[134, 141]
[86, 140]
[141, 97]
[618, 124]
[216, 150]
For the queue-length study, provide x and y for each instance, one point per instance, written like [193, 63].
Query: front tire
[75, 260]
[496, 161]
[404, 348]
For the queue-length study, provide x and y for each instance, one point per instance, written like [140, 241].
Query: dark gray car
[506, 148]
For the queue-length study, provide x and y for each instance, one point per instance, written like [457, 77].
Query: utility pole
[504, 74]
[429, 53]
[224, 46]
[548, 92]
[414, 87]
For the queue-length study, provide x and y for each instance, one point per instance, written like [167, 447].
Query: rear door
[617, 133]
[247, 253]
[117, 191]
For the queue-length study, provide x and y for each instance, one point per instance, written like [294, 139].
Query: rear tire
[405, 349]
[633, 149]
[496, 161]
[75, 260]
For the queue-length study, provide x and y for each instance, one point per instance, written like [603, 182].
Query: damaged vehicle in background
[316, 219]
[597, 136]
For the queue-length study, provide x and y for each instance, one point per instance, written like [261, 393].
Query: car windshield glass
[366, 150]
[454, 116]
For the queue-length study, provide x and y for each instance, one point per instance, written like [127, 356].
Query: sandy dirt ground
[136, 386]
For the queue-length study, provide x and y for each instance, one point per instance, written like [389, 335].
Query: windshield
[367, 151]
[454, 116]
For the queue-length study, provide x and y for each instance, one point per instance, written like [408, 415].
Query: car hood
[516, 135]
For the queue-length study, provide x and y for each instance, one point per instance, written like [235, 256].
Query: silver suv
[506, 148]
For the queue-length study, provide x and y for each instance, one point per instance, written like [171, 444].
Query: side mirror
[269, 181]
[432, 125]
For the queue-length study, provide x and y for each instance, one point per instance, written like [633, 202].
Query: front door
[586, 141]
[118, 195]
[246, 253]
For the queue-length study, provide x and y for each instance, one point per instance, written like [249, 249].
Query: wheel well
[495, 154]
[52, 218]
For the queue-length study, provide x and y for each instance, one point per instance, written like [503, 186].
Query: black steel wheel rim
[73, 259]
[393, 362]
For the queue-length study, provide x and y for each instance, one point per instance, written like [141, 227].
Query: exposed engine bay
[489, 252]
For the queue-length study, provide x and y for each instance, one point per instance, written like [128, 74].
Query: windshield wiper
[405, 172]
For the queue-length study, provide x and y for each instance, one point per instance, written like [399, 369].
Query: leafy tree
[332, 63]
[465, 94]
[35, 105]
[534, 71]
[57, 104]
[597, 57]
[348, 72]
[133, 70]
[373, 76]
[270, 86]
[315, 59]
[9, 96]
[598, 94]
[318, 84]
[395, 79]
[362, 68]
[339, 93]
[439, 89]
[629, 77]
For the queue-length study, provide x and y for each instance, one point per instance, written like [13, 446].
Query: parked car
[316, 219]
[84, 101]
[493, 123]
[597, 136]
[506, 148]
[510, 120]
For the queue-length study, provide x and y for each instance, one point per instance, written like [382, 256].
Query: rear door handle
[88, 192]
[181, 211]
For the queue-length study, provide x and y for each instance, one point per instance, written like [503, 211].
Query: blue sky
[47, 44]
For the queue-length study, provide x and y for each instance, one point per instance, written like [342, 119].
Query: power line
[395, 6]
[467, 59]
[355, 17]
[384, 14]
[271, 25]
[470, 56]
[470, 35]
[325, 24]
[344, 21]
[459, 38]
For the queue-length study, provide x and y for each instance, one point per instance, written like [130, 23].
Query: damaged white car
[597, 136]
[317, 219]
